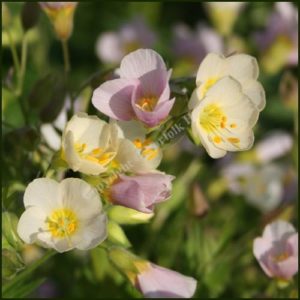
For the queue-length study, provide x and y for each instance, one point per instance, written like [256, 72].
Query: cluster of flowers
[118, 159]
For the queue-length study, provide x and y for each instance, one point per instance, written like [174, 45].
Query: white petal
[242, 67]
[52, 138]
[86, 129]
[140, 62]
[212, 66]
[31, 222]
[277, 230]
[93, 233]
[194, 100]
[256, 93]
[42, 193]
[132, 129]
[80, 197]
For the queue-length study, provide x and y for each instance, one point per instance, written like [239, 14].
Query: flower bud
[124, 215]
[11, 263]
[117, 235]
[61, 16]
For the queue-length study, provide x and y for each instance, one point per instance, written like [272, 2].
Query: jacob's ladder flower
[277, 250]
[63, 215]
[142, 92]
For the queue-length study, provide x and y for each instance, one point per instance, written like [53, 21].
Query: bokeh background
[218, 207]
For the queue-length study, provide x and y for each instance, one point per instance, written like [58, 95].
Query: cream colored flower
[63, 215]
[89, 144]
[137, 153]
[224, 119]
[241, 67]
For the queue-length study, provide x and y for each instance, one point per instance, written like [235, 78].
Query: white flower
[264, 188]
[136, 152]
[63, 215]
[224, 119]
[89, 144]
[241, 67]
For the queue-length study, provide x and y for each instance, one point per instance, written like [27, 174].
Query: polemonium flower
[112, 46]
[136, 152]
[89, 144]
[275, 145]
[241, 67]
[63, 215]
[279, 42]
[142, 191]
[196, 45]
[264, 188]
[61, 15]
[142, 92]
[158, 282]
[277, 250]
[224, 119]
[224, 15]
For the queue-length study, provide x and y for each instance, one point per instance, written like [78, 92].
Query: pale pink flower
[111, 46]
[141, 192]
[142, 92]
[158, 282]
[277, 250]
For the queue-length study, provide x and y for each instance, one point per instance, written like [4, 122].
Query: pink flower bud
[141, 192]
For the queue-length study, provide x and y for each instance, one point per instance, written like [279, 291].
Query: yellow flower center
[206, 86]
[97, 155]
[147, 103]
[213, 120]
[281, 257]
[146, 148]
[62, 223]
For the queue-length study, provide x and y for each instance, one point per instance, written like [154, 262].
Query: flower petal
[113, 98]
[31, 222]
[42, 193]
[278, 230]
[140, 62]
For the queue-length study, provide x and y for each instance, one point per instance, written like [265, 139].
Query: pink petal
[261, 249]
[278, 230]
[161, 282]
[113, 98]
[288, 268]
[153, 118]
[140, 62]
[293, 244]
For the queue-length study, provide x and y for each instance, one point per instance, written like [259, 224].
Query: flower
[112, 46]
[278, 43]
[224, 15]
[224, 119]
[136, 152]
[275, 145]
[158, 282]
[63, 215]
[61, 16]
[264, 188]
[277, 250]
[142, 191]
[142, 92]
[241, 67]
[191, 47]
[89, 144]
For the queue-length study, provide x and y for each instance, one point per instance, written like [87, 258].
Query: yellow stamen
[211, 117]
[62, 223]
[233, 125]
[217, 139]
[147, 103]
[207, 85]
[281, 257]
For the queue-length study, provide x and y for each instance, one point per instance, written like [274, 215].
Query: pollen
[233, 125]
[233, 140]
[217, 140]
[211, 118]
[146, 148]
[62, 223]
[147, 103]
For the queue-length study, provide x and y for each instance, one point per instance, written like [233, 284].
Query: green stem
[13, 51]
[27, 271]
[66, 55]
[23, 64]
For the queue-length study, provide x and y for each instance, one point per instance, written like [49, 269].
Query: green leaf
[12, 263]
